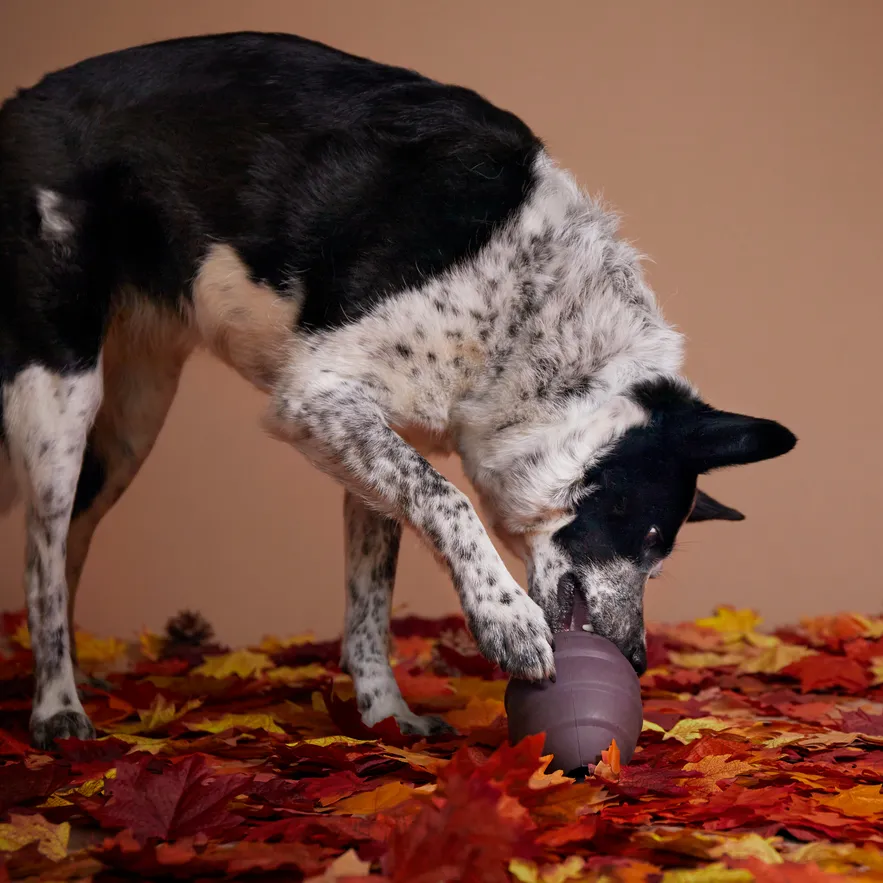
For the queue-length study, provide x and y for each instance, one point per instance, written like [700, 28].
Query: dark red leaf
[182, 800]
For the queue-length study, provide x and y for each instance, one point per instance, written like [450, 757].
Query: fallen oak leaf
[184, 799]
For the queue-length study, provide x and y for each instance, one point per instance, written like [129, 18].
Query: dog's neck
[579, 328]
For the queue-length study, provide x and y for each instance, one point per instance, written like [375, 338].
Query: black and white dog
[403, 269]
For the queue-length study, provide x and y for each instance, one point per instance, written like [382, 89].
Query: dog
[403, 269]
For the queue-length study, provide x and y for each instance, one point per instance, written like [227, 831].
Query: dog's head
[630, 504]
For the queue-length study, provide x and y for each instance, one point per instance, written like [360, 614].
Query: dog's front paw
[514, 633]
[409, 723]
[62, 725]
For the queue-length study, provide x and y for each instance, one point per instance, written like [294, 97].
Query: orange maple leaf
[715, 768]
[862, 800]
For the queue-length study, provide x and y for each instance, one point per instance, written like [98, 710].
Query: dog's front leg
[342, 428]
[372, 546]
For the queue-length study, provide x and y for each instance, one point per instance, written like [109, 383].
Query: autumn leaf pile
[761, 759]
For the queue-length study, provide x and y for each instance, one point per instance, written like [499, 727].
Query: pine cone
[189, 629]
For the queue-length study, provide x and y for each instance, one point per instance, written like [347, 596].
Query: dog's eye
[653, 540]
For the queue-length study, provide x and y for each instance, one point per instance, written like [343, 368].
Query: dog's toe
[63, 725]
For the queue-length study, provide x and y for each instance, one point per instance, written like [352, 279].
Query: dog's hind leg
[47, 417]
[372, 546]
[143, 356]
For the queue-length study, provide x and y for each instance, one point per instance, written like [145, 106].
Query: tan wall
[743, 142]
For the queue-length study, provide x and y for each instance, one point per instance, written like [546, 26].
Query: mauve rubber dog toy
[595, 698]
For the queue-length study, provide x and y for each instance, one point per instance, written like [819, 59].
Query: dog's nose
[638, 658]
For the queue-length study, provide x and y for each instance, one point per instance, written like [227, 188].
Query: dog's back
[369, 178]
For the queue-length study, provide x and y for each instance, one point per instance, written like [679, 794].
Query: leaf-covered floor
[761, 759]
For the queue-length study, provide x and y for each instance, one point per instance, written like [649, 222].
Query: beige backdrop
[743, 143]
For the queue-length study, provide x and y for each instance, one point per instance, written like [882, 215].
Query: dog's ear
[716, 439]
[708, 509]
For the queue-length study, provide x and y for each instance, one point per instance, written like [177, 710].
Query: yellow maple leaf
[139, 743]
[706, 659]
[479, 688]
[151, 645]
[19, 831]
[730, 622]
[877, 669]
[247, 721]
[716, 873]
[370, 802]
[838, 856]
[92, 650]
[477, 713]
[873, 625]
[749, 846]
[160, 714]
[420, 759]
[715, 767]
[272, 644]
[783, 739]
[650, 727]
[324, 741]
[683, 841]
[295, 675]
[89, 788]
[344, 866]
[21, 636]
[689, 729]
[528, 872]
[775, 658]
[562, 805]
[242, 663]
[862, 800]
[611, 764]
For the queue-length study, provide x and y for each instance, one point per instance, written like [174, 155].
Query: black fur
[649, 479]
[355, 178]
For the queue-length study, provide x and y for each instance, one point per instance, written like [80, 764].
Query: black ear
[718, 439]
[708, 509]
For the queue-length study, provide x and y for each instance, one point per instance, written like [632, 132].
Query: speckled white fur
[47, 418]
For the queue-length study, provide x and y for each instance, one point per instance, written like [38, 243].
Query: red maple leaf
[20, 785]
[862, 722]
[181, 800]
[348, 719]
[823, 671]
[469, 837]
[863, 650]
[638, 781]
